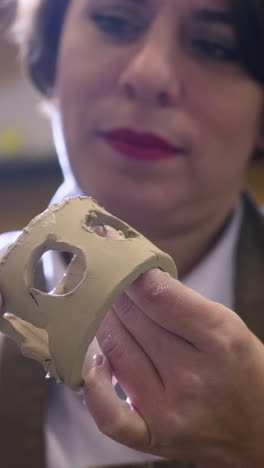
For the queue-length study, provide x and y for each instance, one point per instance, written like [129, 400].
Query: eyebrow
[214, 16]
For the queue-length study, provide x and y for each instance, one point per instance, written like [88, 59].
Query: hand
[193, 372]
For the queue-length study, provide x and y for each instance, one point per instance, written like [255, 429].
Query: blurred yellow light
[12, 142]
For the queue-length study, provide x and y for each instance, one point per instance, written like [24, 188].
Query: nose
[150, 75]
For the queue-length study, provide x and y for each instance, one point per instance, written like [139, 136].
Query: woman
[158, 111]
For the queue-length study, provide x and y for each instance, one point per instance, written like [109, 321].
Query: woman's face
[159, 116]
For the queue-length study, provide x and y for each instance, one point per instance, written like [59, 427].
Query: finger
[159, 344]
[114, 417]
[178, 308]
[131, 366]
[107, 231]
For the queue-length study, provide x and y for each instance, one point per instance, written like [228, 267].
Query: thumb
[114, 417]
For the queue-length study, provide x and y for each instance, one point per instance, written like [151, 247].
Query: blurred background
[29, 173]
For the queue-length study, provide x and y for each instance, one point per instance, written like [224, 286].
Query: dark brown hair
[249, 23]
[38, 30]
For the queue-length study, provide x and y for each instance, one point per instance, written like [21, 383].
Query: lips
[140, 146]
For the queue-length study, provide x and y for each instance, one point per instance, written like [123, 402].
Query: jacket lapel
[22, 406]
[23, 398]
[249, 279]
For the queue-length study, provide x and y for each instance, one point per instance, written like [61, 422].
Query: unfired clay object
[56, 328]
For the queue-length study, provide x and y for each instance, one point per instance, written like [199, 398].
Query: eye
[215, 50]
[117, 26]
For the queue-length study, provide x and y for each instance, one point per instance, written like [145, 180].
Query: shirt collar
[213, 277]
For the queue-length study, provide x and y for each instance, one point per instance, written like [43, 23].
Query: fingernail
[98, 360]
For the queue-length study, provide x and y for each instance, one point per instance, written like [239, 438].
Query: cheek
[76, 87]
[231, 120]
[90, 75]
[86, 89]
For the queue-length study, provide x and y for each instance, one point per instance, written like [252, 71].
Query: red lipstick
[139, 146]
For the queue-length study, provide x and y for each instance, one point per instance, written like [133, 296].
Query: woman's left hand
[192, 370]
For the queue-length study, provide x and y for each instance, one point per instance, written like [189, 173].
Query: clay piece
[57, 327]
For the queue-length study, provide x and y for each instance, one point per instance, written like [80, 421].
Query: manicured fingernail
[98, 360]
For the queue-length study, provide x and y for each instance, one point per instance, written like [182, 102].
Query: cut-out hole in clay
[107, 232]
[95, 221]
[71, 275]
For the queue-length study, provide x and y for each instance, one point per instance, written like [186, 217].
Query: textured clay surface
[56, 327]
